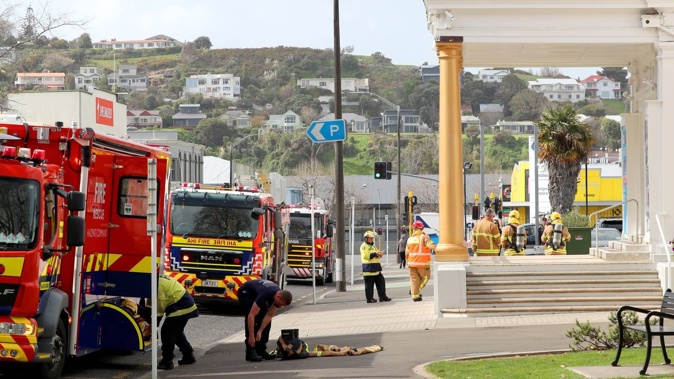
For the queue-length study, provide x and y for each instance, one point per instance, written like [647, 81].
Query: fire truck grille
[299, 255]
[202, 259]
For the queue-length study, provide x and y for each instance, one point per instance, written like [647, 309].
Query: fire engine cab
[63, 289]
[300, 244]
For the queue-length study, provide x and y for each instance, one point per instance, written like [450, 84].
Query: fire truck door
[129, 260]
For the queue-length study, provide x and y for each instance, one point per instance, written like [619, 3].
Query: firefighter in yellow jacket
[177, 305]
[509, 235]
[486, 237]
[549, 233]
[418, 256]
[369, 257]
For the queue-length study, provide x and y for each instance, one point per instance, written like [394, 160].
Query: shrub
[575, 219]
[587, 337]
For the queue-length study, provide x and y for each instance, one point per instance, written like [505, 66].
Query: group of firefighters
[488, 239]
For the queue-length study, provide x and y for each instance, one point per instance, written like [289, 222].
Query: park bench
[666, 312]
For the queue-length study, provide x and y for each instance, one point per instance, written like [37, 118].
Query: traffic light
[487, 203]
[497, 205]
[380, 170]
[476, 212]
[406, 218]
[380, 231]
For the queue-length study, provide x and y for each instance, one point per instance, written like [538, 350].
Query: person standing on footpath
[369, 257]
[260, 300]
[402, 244]
[509, 235]
[486, 240]
[549, 233]
[418, 252]
[177, 305]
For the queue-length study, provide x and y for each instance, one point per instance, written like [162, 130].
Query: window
[202, 82]
[322, 84]
[132, 200]
[225, 81]
[605, 84]
[150, 44]
[559, 96]
[215, 82]
[79, 80]
[125, 71]
[289, 119]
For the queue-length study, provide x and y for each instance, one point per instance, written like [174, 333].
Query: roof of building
[348, 117]
[552, 81]
[40, 74]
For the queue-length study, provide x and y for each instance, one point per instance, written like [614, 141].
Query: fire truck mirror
[278, 219]
[76, 201]
[278, 234]
[256, 213]
[329, 232]
[75, 231]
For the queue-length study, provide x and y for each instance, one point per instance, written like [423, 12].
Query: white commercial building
[99, 110]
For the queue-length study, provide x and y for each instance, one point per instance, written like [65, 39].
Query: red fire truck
[59, 295]
[299, 244]
[220, 238]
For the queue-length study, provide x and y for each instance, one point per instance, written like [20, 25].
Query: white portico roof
[560, 33]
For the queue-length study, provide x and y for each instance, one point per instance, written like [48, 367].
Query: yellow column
[452, 224]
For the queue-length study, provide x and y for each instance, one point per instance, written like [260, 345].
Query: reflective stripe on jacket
[369, 259]
[486, 238]
[418, 250]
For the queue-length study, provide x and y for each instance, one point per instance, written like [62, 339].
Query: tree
[510, 86]
[564, 143]
[84, 42]
[527, 105]
[203, 42]
[70, 81]
[211, 132]
[611, 132]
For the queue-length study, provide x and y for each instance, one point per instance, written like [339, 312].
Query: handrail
[664, 243]
[596, 234]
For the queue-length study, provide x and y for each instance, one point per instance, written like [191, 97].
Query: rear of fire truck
[220, 238]
[300, 244]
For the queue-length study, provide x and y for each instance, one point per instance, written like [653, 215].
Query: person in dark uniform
[260, 300]
[177, 305]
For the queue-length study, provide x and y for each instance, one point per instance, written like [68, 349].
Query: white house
[354, 122]
[40, 80]
[490, 76]
[602, 87]
[219, 86]
[560, 90]
[156, 42]
[283, 123]
[88, 76]
[348, 84]
[127, 77]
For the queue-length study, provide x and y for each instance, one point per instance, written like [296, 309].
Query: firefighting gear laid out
[514, 237]
[178, 306]
[369, 257]
[555, 236]
[418, 255]
[486, 238]
[295, 348]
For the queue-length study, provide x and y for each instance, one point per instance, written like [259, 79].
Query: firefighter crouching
[513, 243]
[418, 256]
[486, 237]
[555, 236]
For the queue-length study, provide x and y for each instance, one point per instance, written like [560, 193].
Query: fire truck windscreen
[213, 215]
[300, 225]
[19, 210]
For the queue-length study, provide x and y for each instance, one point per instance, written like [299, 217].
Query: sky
[395, 28]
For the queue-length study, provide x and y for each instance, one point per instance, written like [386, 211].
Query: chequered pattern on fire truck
[175, 265]
[25, 346]
[259, 263]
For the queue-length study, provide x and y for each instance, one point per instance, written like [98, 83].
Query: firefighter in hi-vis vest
[509, 236]
[486, 237]
[555, 236]
[418, 255]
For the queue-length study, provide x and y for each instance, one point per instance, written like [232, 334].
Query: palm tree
[564, 143]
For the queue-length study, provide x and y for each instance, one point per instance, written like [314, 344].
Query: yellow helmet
[369, 234]
[514, 217]
[555, 218]
[130, 307]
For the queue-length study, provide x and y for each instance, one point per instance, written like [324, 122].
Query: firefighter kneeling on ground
[555, 236]
[513, 243]
[418, 256]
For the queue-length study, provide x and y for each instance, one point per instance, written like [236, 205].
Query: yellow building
[603, 188]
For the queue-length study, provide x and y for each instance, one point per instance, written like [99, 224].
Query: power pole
[340, 283]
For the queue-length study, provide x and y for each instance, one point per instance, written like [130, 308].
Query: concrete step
[541, 284]
[615, 301]
[528, 310]
[554, 292]
[628, 246]
[570, 276]
[622, 256]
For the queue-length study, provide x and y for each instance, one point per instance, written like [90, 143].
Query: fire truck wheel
[320, 281]
[53, 368]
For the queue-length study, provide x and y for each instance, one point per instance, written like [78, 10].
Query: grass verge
[549, 366]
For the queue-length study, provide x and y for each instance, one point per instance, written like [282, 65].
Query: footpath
[410, 333]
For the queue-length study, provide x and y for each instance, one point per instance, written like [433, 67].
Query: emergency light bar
[9, 152]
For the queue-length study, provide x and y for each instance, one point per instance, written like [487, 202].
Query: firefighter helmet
[555, 218]
[514, 217]
[417, 224]
[368, 234]
[130, 307]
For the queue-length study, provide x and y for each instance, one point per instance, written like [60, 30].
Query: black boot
[261, 350]
[188, 359]
[251, 355]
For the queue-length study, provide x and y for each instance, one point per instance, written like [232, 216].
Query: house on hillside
[517, 127]
[88, 76]
[143, 119]
[560, 90]
[602, 87]
[40, 80]
[467, 121]
[189, 116]
[217, 86]
[283, 123]
[355, 123]
[128, 78]
[348, 84]
[429, 72]
[155, 42]
[410, 121]
[492, 76]
[237, 119]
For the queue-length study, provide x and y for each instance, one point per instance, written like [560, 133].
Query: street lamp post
[466, 167]
[231, 157]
